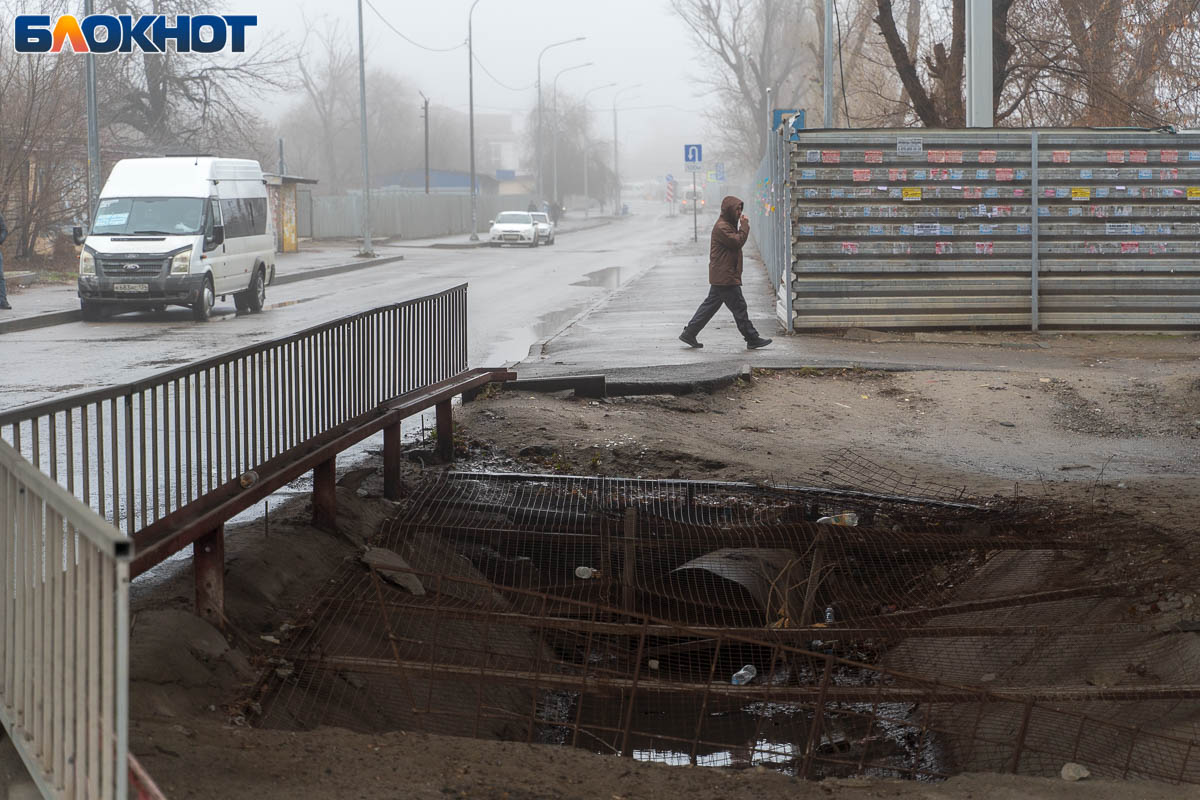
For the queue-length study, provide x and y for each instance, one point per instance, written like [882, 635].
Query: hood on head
[729, 209]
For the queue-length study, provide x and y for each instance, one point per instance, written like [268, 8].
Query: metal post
[393, 454]
[827, 66]
[93, 128]
[1034, 257]
[979, 63]
[362, 115]
[695, 220]
[208, 568]
[471, 105]
[426, 115]
[282, 166]
[445, 432]
[324, 496]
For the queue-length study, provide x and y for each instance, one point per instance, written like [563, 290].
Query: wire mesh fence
[826, 630]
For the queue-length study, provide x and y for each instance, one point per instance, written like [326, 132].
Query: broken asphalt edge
[667, 379]
[52, 318]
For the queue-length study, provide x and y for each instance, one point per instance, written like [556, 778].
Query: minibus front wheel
[202, 308]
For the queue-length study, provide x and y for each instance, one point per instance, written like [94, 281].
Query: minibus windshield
[165, 216]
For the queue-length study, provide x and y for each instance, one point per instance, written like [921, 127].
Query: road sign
[692, 154]
[670, 178]
[720, 171]
[712, 176]
[694, 166]
[778, 114]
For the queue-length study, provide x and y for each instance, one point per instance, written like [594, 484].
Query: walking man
[725, 276]
[4, 306]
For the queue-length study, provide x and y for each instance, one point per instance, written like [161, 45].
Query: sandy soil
[1101, 439]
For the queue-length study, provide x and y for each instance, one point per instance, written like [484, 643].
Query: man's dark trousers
[731, 297]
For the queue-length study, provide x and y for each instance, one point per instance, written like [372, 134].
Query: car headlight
[181, 263]
[87, 263]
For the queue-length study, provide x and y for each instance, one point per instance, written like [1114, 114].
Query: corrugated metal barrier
[1062, 229]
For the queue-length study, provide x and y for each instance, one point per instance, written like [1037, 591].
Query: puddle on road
[607, 278]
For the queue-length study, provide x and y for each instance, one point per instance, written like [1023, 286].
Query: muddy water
[666, 728]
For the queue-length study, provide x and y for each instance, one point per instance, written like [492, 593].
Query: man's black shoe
[5, 307]
[689, 339]
[757, 343]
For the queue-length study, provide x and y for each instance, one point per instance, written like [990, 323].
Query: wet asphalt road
[517, 298]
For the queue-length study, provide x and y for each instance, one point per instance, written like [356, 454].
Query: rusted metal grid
[933, 637]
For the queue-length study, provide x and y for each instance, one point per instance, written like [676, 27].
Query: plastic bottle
[744, 675]
[829, 615]
[584, 573]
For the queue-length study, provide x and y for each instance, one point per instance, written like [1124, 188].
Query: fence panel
[408, 215]
[64, 636]
[925, 228]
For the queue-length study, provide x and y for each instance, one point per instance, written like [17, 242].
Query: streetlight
[425, 114]
[554, 132]
[616, 149]
[586, 147]
[362, 113]
[538, 147]
[471, 104]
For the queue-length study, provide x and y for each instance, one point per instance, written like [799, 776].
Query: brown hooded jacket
[725, 251]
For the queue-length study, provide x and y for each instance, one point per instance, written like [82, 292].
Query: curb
[52, 318]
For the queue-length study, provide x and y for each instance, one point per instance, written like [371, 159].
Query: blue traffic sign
[692, 154]
[721, 171]
[670, 178]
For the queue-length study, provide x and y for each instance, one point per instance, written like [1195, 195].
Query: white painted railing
[64, 636]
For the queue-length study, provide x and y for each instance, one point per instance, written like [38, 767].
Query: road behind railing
[139, 452]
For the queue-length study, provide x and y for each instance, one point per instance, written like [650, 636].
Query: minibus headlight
[87, 263]
[181, 263]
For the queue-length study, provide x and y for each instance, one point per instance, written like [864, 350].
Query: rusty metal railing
[64, 636]
[139, 452]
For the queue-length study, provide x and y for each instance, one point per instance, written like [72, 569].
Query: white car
[545, 226]
[514, 227]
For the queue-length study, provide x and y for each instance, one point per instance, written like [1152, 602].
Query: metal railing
[142, 451]
[64, 636]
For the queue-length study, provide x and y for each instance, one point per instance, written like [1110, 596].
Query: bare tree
[196, 101]
[749, 46]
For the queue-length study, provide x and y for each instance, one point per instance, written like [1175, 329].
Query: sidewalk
[43, 305]
[631, 337]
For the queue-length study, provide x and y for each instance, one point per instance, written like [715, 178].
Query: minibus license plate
[131, 287]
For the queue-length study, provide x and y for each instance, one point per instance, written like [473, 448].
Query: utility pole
[587, 198]
[366, 251]
[827, 80]
[616, 151]
[541, 186]
[425, 114]
[93, 128]
[979, 64]
[471, 102]
[554, 131]
[282, 166]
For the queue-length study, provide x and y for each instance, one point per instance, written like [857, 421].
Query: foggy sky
[630, 41]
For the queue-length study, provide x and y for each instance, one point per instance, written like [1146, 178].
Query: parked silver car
[514, 227]
[545, 226]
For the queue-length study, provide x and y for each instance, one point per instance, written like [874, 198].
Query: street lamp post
[538, 144]
[471, 104]
[362, 113]
[587, 198]
[616, 150]
[425, 114]
[554, 130]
